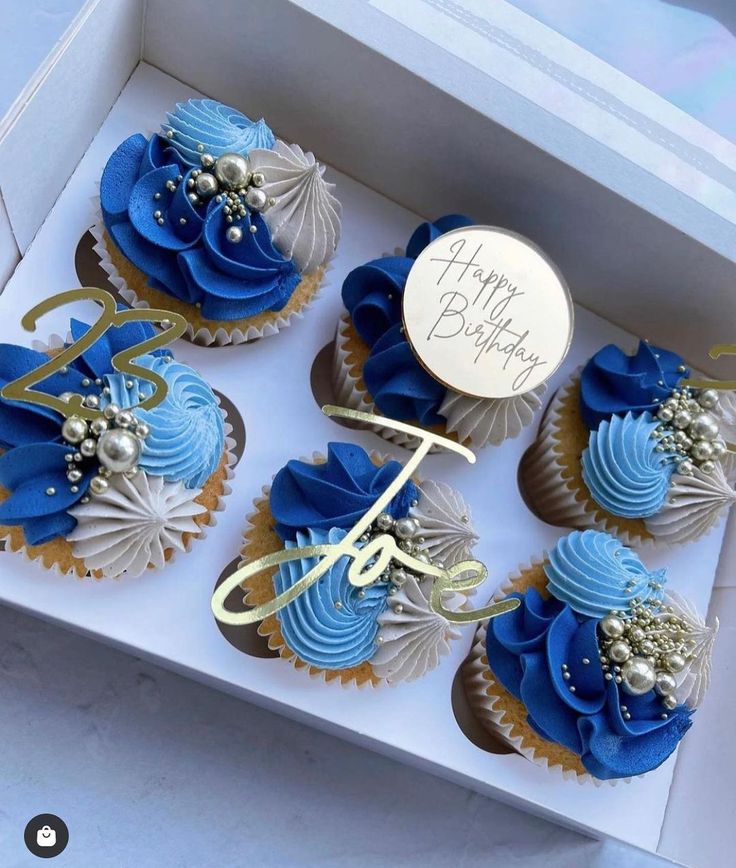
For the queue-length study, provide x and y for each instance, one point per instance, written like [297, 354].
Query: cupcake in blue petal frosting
[374, 367]
[217, 219]
[386, 632]
[122, 492]
[626, 446]
[598, 671]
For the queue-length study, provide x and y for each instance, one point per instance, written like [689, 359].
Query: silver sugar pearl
[612, 626]
[118, 450]
[98, 485]
[675, 661]
[384, 521]
[669, 702]
[406, 528]
[708, 398]
[74, 474]
[619, 651]
[234, 234]
[637, 676]
[682, 419]
[256, 199]
[232, 171]
[665, 684]
[704, 427]
[207, 161]
[111, 411]
[88, 447]
[74, 429]
[702, 450]
[206, 185]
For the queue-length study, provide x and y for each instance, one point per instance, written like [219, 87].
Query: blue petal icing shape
[334, 494]
[372, 293]
[187, 431]
[187, 255]
[313, 627]
[205, 126]
[594, 573]
[526, 649]
[622, 468]
[612, 382]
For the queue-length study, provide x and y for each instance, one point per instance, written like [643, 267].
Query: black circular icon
[46, 835]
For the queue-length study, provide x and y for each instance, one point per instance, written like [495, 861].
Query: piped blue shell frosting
[187, 431]
[526, 650]
[397, 383]
[622, 468]
[595, 574]
[334, 494]
[317, 630]
[612, 382]
[206, 126]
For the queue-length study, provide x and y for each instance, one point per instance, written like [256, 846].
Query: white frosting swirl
[304, 220]
[490, 420]
[411, 637]
[133, 524]
[446, 523]
[694, 680]
[694, 505]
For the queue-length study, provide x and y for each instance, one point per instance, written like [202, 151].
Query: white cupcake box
[633, 199]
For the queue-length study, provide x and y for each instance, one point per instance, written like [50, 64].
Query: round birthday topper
[487, 313]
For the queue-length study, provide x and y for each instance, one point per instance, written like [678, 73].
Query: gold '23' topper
[174, 326]
[371, 559]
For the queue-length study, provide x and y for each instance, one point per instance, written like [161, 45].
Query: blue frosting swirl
[34, 460]
[526, 649]
[313, 627]
[372, 293]
[595, 574]
[336, 493]
[187, 256]
[612, 382]
[206, 126]
[622, 468]
[187, 431]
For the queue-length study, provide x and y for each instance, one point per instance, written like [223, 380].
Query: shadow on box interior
[244, 638]
[323, 390]
[468, 722]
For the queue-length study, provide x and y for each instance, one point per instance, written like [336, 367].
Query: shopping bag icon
[46, 837]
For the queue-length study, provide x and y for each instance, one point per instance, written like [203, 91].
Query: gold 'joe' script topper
[369, 561]
[716, 351]
[22, 389]
[486, 313]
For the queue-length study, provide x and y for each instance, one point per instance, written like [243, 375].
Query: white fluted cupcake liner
[270, 628]
[56, 342]
[487, 707]
[219, 334]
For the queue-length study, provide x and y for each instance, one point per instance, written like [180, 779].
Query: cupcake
[386, 632]
[598, 671]
[627, 447]
[374, 366]
[216, 219]
[124, 491]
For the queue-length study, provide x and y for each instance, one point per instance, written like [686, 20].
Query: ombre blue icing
[186, 254]
[595, 574]
[614, 383]
[622, 468]
[334, 494]
[187, 430]
[206, 126]
[317, 630]
[372, 293]
[34, 458]
[526, 651]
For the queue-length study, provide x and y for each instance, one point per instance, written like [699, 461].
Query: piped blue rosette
[116, 494]
[219, 216]
[647, 430]
[599, 658]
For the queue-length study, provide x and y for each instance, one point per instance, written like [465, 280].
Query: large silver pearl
[612, 627]
[666, 684]
[98, 426]
[682, 419]
[118, 450]
[206, 185]
[619, 651]
[74, 429]
[674, 661]
[234, 234]
[702, 450]
[231, 170]
[384, 521]
[88, 447]
[708, 398]
[406, 528]
[256, 199]
[704, 427]
[637, 676]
